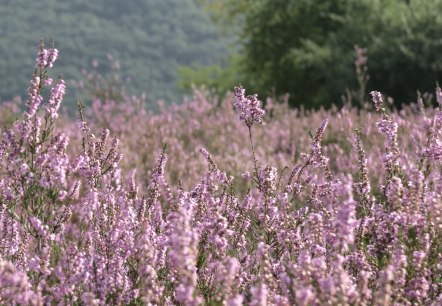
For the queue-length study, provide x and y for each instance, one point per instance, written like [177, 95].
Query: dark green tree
[306, 47]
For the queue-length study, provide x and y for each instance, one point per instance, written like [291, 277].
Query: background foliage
[150, 38]
[306, 48]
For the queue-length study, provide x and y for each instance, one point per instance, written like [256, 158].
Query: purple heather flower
[434, 151]
[316, 157]
[57, 94]
[418, 258]
[42, 58]
[34, 97]
[305, 296]
[259, 295]
[52, 57]
[246, 175]
[16, 288]
[377, 99]
[46, 57]
[237, 300]
[248, 107]
[268, 177]
[47, 81]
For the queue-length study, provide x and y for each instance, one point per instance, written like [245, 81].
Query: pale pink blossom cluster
[248, 107]
[46, 57]
[57, 94]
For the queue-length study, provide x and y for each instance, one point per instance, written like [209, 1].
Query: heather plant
[196, 207]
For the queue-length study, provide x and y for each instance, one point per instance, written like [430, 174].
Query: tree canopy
[306, 47]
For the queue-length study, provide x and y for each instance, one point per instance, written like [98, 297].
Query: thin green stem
[255, 162]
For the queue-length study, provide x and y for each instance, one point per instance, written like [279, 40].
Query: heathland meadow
[217, 201]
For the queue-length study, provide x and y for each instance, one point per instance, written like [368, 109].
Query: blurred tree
[150, 38]
[218, 77]
[306, 47]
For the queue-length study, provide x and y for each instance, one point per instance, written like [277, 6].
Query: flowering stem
[255, 162]
[297, 192]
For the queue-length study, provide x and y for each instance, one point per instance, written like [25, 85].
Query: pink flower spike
[248, 107]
